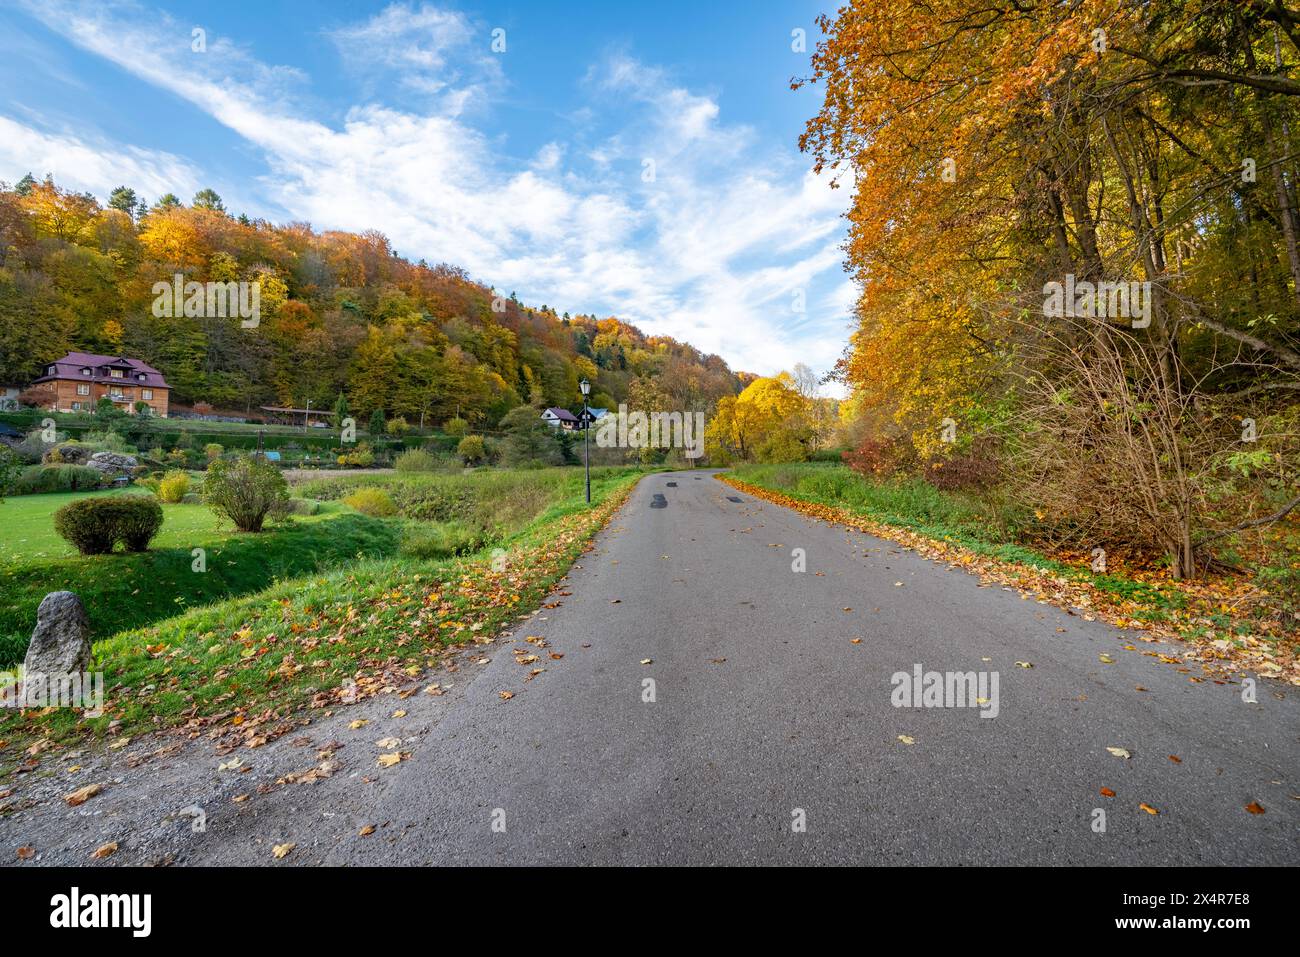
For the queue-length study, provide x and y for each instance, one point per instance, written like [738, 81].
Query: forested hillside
[340, 312]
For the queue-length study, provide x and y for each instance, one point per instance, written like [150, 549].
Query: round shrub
[416, 460]
[245, 489]
[174, 486]
[472, 449]
[94, 525]
[372, 501]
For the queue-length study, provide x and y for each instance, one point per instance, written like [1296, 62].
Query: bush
[303, 506]
[372, 501]
[456, 427]
[962, 472]
[213, 450]
[245, 490]
[108, 442]
[360, 457]
[416, 460]
[471, 449]
[174, 487]
[397, 426]
[94, 525]
[57, 478]
[9, 469]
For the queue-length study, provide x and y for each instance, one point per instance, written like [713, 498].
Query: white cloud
[710, 252]
[96, 166]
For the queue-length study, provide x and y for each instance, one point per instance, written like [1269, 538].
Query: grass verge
[242, 667]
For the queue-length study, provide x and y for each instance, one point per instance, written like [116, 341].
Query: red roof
[74, 364]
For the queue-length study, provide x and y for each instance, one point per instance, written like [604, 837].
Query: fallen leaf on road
[388, 743]
[616, 601]
[717, 661]
[82, 795]
[556, 655]
[1148, 808]
[1176, 759]
[399, 714]
[1023, 664]
[1107, 792]
[280, 850]
[230, 765]
[119, 743]
[366, 831]
[647, 661]
[388, 760]
[906, 739]
[104, 850]
[1106, 659]
[1120, 753]
[1254, 807]
[506, 695]
[359, 723]
[26, 852]
[855, 641]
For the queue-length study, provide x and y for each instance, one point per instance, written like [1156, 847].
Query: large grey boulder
[61, 642]
[112, 463]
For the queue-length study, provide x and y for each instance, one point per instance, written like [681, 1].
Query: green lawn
[125, 590]
[28, 523]
[367, 623]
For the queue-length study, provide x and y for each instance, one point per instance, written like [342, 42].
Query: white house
[560, 418]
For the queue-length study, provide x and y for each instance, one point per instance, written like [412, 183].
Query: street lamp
[585, 386]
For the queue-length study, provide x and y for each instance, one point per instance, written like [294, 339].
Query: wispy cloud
[711, 249]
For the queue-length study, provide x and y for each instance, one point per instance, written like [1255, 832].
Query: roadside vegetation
[297, 637]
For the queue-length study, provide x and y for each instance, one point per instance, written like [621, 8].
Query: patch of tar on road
[659, 501]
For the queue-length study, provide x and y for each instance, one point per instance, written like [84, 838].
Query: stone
[112, 463]
[61, 642]
[67, 453]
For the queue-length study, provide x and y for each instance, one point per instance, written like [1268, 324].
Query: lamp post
[585, 386]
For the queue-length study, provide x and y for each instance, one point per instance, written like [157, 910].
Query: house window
[85, 371]
[83, 388]
[50, 371]
[115, 391]
[146, 393]
[76, 407]
[115, 373]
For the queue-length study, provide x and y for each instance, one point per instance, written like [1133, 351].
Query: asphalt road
[766, 714]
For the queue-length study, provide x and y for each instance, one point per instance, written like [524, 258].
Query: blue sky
[629, 159]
